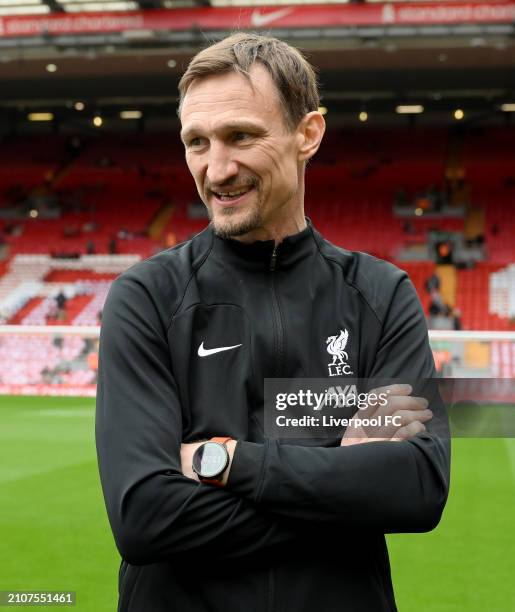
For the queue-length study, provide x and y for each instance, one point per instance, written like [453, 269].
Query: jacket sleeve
[389, 486]
[155, 512]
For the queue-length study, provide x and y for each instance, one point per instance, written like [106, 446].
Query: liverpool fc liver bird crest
[336, 346]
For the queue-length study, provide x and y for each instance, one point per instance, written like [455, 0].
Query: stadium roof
[38, 7]
[434, 54]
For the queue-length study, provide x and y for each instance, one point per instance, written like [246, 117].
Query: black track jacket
[300, 527]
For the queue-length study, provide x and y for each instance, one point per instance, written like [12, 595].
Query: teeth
[232, 193]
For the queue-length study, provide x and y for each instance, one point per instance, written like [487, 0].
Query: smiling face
[247, 165]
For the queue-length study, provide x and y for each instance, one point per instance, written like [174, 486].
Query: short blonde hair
[294, 77]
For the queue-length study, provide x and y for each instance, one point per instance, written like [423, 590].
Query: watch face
[210, 460]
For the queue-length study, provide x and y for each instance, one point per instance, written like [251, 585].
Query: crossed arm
[158, 512]
[412, 412]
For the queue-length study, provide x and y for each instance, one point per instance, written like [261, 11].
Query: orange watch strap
[221, 440]
[213, 482]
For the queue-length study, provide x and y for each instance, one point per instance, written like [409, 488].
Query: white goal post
[93, 331]
[63, 359]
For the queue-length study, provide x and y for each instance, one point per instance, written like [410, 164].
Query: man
[190, 335]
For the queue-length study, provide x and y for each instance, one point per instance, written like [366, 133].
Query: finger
[396, 389]
[399, 403]
[393, 402]
[354, 430]
[409, 416]
[394, 405]
[354, 441]
[398, 420]
[409, 431]
[380, 398]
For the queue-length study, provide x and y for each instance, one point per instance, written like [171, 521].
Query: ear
[310, 132]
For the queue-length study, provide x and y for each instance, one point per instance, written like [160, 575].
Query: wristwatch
[211, 460]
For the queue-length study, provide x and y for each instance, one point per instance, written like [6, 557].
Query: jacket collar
[259, 255]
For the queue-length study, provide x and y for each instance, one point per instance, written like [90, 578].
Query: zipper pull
[273, 259]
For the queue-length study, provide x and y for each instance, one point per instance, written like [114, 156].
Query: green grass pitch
[55, 535]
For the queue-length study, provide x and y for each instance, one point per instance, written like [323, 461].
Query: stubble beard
[230, 222]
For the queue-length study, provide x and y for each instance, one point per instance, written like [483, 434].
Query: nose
[221, 167]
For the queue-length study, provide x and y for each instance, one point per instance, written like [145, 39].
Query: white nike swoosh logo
[258, 19]
[203, 352]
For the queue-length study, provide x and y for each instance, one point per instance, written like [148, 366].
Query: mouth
[231, 198]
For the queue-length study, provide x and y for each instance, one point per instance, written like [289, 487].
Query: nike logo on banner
[203, 352]
[258, 19]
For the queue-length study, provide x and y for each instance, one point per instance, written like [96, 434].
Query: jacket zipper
[279, 330]
[273, 259]
[271, 589]
[278, 324]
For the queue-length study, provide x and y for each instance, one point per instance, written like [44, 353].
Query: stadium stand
[29, 360]
[29, 287]
[132, 194]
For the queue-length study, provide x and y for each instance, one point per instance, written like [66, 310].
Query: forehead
[216, 99]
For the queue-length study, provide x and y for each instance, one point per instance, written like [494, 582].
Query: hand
[413, 412]
[187, 452]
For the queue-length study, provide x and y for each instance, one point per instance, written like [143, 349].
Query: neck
[276, 231]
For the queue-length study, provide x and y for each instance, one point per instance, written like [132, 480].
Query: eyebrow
[232, 126]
